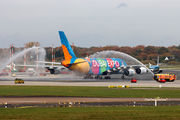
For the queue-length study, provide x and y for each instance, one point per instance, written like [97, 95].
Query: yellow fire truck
[167, 77]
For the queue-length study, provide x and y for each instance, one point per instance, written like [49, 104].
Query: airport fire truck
[167, 77]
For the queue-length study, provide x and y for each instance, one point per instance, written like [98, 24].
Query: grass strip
[89, 91]
[130, 113]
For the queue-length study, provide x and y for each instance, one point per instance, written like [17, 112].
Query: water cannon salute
[98, 67]
[109, 59]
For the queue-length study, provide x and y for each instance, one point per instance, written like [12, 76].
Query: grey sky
[89, 23]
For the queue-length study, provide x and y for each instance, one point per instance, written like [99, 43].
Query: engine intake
[129, 72]
[55, 71]
[141, 70]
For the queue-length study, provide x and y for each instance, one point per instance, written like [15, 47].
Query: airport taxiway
[72, 80]
[145, 80]
[41, 100]
[97, 83]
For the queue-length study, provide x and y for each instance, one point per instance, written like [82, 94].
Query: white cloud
[122, 5]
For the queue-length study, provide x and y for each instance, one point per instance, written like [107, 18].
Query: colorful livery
[96, 66]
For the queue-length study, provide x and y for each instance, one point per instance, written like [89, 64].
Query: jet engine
[129, 72]
[141, 70]
[160, 71]
[55, 71]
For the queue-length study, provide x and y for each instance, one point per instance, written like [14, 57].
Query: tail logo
[66, 53]
[67, 50]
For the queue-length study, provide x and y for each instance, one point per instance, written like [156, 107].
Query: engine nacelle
[129, 72]
[160, 71]
[141, 70]
[55, 71]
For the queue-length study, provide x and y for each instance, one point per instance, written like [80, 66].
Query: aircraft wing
[53, 68]
[48, 62]
[135, 66]
[43, 66]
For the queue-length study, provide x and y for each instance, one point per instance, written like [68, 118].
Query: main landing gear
[97, 77]
[123, 76]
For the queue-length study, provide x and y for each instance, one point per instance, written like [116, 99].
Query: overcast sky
[89, 23]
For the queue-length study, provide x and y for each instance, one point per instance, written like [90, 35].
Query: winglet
[67, 50]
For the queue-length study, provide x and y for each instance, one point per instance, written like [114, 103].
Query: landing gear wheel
[107, 77]
[122, 77]
[96, 77]
[88, 77]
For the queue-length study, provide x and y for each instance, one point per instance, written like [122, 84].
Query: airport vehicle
[19, 81]
[162, 81]
[5, 70]
[13, 75]
[133, 80]
[42, 74]
[167, 77]
[22, 71]
[14, 70]
[30, 74]
[4, 74]
[97, 67]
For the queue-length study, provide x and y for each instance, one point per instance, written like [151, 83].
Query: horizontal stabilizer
[76, 63]
[48, 62]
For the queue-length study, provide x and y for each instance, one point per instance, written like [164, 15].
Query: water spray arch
[31, 50]
[116, 54]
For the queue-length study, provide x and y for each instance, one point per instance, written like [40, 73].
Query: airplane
[54, 69]
[155, 68]
[13, 66]
[97, 67]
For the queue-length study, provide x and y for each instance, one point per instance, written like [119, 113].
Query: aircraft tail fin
[149, 65]
[158, 61]
[67, 50]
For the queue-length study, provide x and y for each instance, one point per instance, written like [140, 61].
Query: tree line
[145, 54]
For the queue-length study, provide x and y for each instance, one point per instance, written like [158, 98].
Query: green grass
[177, 67]
[130, 113]
[89, 91]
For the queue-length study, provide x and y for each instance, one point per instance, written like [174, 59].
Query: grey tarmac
[72, 80]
